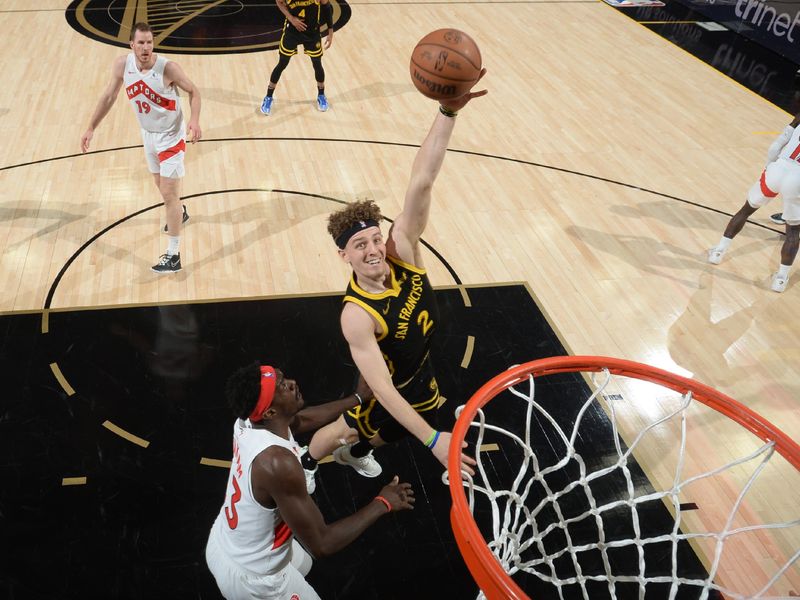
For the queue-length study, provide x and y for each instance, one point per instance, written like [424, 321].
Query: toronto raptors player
[251, 549]
[780, 176]
[151, 83]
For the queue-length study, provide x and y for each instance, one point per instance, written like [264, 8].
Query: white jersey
[157, 106]
[791, 151]
[252, 536]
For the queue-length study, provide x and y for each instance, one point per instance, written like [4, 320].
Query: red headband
[266, 395]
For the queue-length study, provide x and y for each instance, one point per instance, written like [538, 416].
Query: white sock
[174, 245]
[783, 271]
[724, 243]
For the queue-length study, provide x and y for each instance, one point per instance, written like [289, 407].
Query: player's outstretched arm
[411, 222]
[357, 327]
[314, 417]
[278, 476]
[107, 99]
[174, 74]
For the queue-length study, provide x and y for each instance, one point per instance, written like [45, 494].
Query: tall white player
[151, 83]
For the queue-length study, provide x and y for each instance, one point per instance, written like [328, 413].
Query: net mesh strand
[515, 527]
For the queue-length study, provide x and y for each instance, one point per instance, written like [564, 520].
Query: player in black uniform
[302, 26]
[389, 315]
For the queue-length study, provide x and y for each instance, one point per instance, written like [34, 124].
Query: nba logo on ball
[445, 64]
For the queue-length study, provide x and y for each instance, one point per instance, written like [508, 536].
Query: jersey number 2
[230, 514]
[425, 321]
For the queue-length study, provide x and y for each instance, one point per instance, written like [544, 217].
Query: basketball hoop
[521, 543]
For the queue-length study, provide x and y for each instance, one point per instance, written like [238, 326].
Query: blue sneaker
[322, 103]
[266, 105]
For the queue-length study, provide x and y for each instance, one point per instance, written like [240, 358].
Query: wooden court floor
[601, 166]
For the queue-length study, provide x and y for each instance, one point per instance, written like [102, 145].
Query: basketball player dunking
[150, 83]
[389, 316]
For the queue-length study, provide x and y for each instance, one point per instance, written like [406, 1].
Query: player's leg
[184, 216]
[791, 242]
[226, 574]
[319, 75]
[170, 193]
[286, 584]
[154, 146]
[366, 421]
[313, 49]
[328, 438]
[788, 254]
[286, 49]
[764, 190]
[171, 154]
[324, 441]
[293, 584]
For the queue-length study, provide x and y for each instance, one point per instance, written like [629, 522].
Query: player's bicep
[358, 330]
[358, 327]
[173, 73]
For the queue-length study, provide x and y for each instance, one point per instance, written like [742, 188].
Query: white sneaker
[311, 481]
[779, 283]
[715, 255]
[366, 466]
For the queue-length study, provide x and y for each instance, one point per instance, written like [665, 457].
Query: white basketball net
[517, 531]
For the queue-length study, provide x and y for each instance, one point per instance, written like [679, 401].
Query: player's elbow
[108, 99]
[319, 549]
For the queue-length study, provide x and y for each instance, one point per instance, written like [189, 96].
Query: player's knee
[756, 199]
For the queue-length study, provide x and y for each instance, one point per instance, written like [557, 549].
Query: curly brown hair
[343, 219]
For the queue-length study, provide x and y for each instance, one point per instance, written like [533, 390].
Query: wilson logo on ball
[434, 87]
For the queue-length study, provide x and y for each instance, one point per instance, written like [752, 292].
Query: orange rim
[490, 576]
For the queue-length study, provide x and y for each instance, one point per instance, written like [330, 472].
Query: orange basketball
[445, 64]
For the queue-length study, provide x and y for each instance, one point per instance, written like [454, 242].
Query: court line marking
[468, 351]
[61, 379]
[135, 439]
[73, 481]
[215, 462]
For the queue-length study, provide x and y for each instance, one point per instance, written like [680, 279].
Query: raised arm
[411, 222]
[107, 99]
[278, 477]
[174, 74]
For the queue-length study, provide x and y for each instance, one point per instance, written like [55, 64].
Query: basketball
[445, 64]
